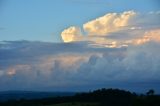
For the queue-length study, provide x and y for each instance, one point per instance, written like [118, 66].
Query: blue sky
[44, 20]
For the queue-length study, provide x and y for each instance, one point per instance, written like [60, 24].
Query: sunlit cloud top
[104, 31]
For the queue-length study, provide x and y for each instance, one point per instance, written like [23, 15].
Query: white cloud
[117, 30]
[111, 22]
[71, 34]
[152, 35]
[108, 23]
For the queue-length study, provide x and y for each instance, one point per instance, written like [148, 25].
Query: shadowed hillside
[101, 97]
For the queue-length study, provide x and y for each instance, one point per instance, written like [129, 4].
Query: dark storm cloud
[43, 66]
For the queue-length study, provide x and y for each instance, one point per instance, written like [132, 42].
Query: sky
[44, 20]
[79, 45]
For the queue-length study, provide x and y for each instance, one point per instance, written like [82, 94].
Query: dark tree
[150, 92]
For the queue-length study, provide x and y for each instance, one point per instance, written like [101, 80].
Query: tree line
[104, 97]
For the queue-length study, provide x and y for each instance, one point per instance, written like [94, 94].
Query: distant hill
[16, 95]
[100, 97]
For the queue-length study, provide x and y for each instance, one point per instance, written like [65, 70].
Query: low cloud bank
[46, 66]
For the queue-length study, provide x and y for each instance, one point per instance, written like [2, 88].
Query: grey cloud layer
[51, 66]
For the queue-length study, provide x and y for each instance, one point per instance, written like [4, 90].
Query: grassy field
[75, 104]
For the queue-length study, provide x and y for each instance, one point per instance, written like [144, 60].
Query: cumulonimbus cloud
[136, 27]
[110, 22]
[71, 34]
